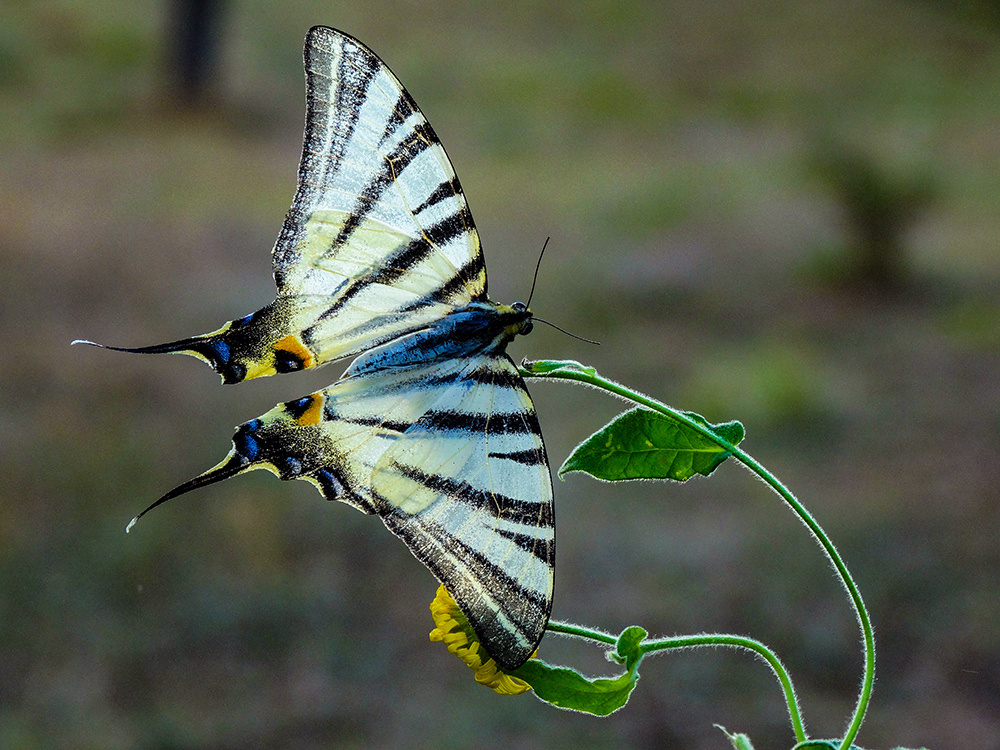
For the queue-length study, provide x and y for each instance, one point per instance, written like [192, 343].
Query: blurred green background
[779, 212]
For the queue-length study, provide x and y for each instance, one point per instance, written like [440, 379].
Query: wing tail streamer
[232, 465]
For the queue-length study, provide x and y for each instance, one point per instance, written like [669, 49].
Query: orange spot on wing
[292, 344]
[314, 413]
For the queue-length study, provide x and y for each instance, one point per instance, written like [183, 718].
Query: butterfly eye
[526, 327]
[519, 306]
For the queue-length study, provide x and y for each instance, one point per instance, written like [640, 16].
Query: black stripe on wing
[498, 372]
[542, 549]
[398, 263]
[495, 423]
[530, 457]
[444, 191]
[510, 509]
[494, 592]
[378, 422]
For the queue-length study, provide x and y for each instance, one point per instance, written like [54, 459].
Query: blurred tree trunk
[194, 36]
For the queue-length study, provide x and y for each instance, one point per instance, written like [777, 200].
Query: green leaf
[600, 696]
[549, 366]
[628, 649]
[644, 444]
[822, 745]
[740, 741]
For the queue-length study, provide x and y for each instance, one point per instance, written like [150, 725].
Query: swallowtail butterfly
[431, 427]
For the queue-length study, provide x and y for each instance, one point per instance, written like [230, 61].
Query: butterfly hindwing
[451, 458]
[468, 490]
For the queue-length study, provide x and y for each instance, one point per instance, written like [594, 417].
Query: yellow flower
[454, 631]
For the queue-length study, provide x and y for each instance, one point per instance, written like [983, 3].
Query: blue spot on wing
[245, 442]
[221, 349]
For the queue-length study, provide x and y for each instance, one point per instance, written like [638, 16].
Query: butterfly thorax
[480, 327]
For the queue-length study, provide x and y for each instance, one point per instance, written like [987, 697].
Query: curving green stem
[737, 641]
[706, 639]
[570, 370]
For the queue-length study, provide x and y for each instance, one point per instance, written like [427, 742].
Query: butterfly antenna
[578, 338]
[537, 266]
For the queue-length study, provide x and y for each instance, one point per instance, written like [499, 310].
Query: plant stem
[736, 641]
[845, 577]
[569, 370]
[579, 631]
[691, 641]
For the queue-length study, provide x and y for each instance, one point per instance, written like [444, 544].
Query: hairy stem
[737, 641]
[578, 631]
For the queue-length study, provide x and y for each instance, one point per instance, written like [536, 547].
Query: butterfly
[431, 427]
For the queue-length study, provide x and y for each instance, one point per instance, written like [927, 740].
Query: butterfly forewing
[379, 239]
[379, 220]
[370, 153]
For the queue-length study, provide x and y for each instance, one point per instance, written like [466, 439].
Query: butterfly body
[431, 427]
[477, 328]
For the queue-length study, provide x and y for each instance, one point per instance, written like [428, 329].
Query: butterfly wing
[467, 488]
[450, 456]
[379, 240]
[379, 219]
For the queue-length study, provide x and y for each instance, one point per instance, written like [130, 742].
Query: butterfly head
[524, 325]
